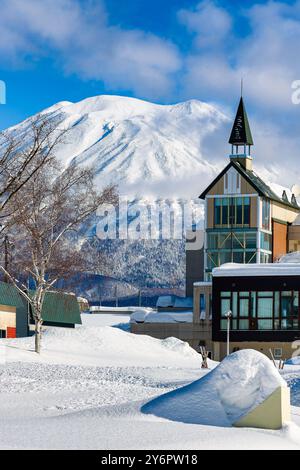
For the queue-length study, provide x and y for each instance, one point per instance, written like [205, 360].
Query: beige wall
[253, 212]
[218, 188]
[283, 213]
[263, 347]
[7, 317]
[210, 213]
[206, 290]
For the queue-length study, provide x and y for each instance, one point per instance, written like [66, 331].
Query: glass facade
[266, 214]
[261, 310]
[231, 247]
[232, 212]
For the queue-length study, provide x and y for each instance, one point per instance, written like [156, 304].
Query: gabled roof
[57, 307]
[10, 296]
[256, 182]
[61, 308]
[241, 133]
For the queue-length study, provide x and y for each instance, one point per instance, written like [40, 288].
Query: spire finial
[242, 84]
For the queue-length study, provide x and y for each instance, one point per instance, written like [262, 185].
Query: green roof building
[59, 309]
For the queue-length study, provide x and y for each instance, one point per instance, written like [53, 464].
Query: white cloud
[210, 23]
[262, 46]
[81, 37]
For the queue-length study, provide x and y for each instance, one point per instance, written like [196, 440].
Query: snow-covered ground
[87, 388]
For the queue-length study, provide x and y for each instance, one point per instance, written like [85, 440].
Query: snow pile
[293, 361]
[290, 258]
[235, 387]
[144, 316]
[103, 346]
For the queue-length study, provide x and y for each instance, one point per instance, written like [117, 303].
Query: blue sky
[161, 50]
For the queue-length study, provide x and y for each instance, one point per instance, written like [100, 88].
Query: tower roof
[241, 133]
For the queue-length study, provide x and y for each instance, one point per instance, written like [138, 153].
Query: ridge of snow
[103, 346]
[235, 387]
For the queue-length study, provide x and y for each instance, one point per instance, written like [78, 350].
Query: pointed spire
[241, 133]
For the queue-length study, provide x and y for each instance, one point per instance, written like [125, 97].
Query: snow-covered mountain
[136, 144]
[149, 151]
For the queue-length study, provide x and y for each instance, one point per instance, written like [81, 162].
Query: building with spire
[235, 284]
[246, 220]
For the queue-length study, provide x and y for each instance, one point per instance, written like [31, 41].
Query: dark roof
[256, 182]
[241, 133]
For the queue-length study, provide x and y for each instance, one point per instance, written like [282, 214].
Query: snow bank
[103, 346]
[144, 316]
[293, 361]
[290, 257]
[235, 387]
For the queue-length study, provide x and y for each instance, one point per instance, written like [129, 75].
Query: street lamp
[228, 316]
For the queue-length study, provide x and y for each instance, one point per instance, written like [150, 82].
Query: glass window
[250, 257]
[232, 211]
[246, 211]
[295, 305]
[234, 304]
[239, 211]
[250, 240]
[226, 294]
[225, 209]
[212, 260]
[266, 214]
[266, 241]
[225, 306]
[265, 308]
[238, 240]
[212, 241]
[244, 324]
[225, 257]
[238, 256]
[276, 304]
[253, 305]
[225, 241]
[244, 307]
[265, 324]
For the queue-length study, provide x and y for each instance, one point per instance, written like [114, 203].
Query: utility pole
[228, 316]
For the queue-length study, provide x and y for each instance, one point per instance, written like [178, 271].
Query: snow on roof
[202, 283]
[143, 316]
[238, 385]
[293, 257]
[271, 269]
[165, 301]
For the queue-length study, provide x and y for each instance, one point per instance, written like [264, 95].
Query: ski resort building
[16, 321]
[264, 305]
[249, 225]
[246, 220]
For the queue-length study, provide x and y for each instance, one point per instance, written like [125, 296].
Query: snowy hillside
[135, 143]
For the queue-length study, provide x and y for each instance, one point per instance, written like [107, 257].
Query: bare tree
[47, 211]
[23, 154]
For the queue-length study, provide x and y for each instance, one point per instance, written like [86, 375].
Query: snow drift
[235, 387]
[103, 346]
